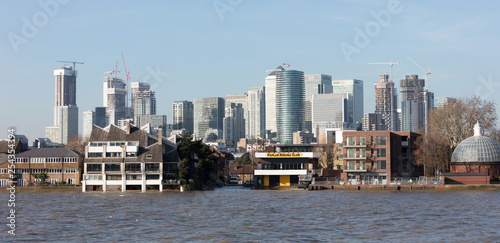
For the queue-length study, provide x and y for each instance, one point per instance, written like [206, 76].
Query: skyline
[179, 46]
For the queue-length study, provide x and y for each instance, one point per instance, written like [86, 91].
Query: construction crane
[426, 75]
[127, 74]
[391, 128]
[74, 63]
[286, 65]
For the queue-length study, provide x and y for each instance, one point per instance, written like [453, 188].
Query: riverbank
[405, 187]
[23, 189]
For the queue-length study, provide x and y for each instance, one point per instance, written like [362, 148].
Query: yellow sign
[278, 155]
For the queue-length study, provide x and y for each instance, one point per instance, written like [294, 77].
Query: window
[114, 177]
[94, 168]
[112, 167]
[95, 155]
[381, 165]
[3, 171]
[37, 160]
[152, 177]
[362, 165]
[131, 154]
[53, 160]
[381, 153]
[114, 154]
[36, 171]
[70, 170]
[21, 160]
[351, 165]
[351, 153]
[381, 140]
[362, 141]
[152, 166]
[21, 171]
[54, 171]
[135, 167]
[351, 141]
[362, 153]
[92, 177]
[53, 181]
[134, 177]
[69, 160]
[371, 140]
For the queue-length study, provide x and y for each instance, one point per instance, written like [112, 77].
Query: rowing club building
[285, 168]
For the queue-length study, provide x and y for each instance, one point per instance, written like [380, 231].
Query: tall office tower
[256, 113]
[270, 86]
[65, 108]
[355, 88]
[374, 122]
[385, 105]
[439, 102]
[154, 122]
[88, 122]
[114, 99]
[182, 115]
[239, 98]
[428, 106]
[329, 111]
[399, 119]
[134, 88]
[290, 111]
[315, 84]
[412, 103]
[208, 114]
[144, 104]
[234, 122]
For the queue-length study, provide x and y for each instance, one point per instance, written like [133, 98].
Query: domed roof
[477, 148]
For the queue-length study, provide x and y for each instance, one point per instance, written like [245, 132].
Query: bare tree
[77, 143]
[449, 126]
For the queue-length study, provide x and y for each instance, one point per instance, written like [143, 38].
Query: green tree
[42, 177]
[243, 160]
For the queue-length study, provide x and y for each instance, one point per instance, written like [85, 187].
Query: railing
[423, 180]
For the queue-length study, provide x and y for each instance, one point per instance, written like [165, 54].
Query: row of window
[48, 160]
[351, 153]
[119, 177]
[112, 155]
[48, 171]
[351, 140]
[361, 165]
[100, 144]
[284, 166]
[115, 167]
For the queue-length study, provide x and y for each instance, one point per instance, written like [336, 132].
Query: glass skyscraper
[290, 110]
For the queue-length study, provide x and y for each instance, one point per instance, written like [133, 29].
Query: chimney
[127, 126]
[160, 134]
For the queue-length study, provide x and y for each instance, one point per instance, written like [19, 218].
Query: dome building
[477, 154]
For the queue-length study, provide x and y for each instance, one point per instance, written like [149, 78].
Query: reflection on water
[246, 215]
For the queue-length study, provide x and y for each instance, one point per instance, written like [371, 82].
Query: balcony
[354, 145]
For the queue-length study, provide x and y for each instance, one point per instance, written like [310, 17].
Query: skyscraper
[208, 114]
[114, 99]
[439, 102]
[290, 111]
[182, 115]
[88, 122]
[134, 88]
[239, 98]
[234, 122]
[315, 84]
[256, 113]
[144, 104]
[270, 86]
[65, 108]
[383, 105]
[329, 111]
[355, 88]
[412, 103]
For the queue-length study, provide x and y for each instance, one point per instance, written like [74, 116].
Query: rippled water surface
[248, 215]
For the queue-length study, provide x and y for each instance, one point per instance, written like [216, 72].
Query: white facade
[270, 86]
[88, 122]
[256, 113]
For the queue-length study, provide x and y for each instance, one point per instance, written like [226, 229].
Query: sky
[210, 48]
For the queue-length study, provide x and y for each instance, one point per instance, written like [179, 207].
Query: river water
[231, 214]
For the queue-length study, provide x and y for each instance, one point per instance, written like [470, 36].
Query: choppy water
[254, 215]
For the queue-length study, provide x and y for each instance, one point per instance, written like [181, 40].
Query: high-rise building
[385, 105]
[239, 98]
[114, 99]
[355, 88]
[290, 111]
[144, 104]
[88, 122]
[234, 122]
[439, 102]
[154, 122]
[374, 122]
[412, 103]
[329, 111]
[182, 115]
[270, 86]
[315, 84]
[208, 114]
[65, 108]
[134, 88]
[256, 113]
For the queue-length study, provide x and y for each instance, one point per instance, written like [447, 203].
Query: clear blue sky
[202, 52]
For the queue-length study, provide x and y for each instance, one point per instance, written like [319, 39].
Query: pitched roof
[4, 146]
[49, 152]
[4, 158]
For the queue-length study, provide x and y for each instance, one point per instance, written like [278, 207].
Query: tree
[448, 127]
[42, 177]
[243, 160]
[77, 143]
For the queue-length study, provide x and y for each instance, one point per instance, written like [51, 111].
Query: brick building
[377, 157]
